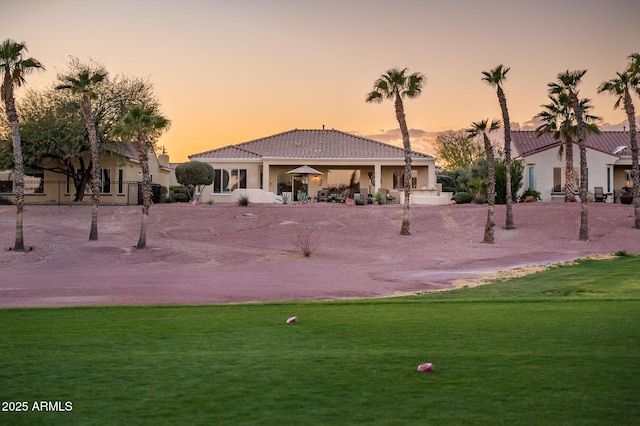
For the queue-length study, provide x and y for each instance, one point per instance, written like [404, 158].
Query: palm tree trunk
[18, 165]
[509, 224]
[96, 171]
[584, 218]
[405, 228]
[146, 191]
[635, 170]
[491, 191]
[569, 187]
[18, 185]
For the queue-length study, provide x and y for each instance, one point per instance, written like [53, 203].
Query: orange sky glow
[228, 71]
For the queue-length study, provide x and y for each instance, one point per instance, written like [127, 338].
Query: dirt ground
[225, 253]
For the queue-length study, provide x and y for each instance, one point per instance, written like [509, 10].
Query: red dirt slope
[226, 253]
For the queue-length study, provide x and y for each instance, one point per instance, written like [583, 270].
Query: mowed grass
[558, 347]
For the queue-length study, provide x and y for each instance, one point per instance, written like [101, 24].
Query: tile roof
[126, 149]
[615, 143]
[319, 144]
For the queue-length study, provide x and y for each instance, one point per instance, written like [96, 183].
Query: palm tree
[495, 78]
[395, 84]
[559, 120]
[144, 125]
[622, 86]
[15, 67]
[82, 81]
[482, 128]
[568, 82]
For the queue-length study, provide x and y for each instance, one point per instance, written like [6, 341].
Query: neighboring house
[260, 168]
[608, 163]
[121, 176]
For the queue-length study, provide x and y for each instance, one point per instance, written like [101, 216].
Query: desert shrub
[307, 238]
[285, 198]
[243, 201]
[361, 202]
[463, 198]
[5, 201]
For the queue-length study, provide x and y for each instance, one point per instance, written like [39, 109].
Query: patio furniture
[386, 197]
[598, 195]
[342, 196]
[323, 195]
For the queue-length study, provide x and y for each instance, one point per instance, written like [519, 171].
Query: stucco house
[608, 163]
[264, 169]
[121, 176]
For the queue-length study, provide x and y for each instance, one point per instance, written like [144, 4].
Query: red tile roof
[615, 143]
[320, 144]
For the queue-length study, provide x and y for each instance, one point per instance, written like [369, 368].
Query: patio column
[265, 177]
[377, 172]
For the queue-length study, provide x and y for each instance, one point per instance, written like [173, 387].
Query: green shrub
[180, 197]
[517, 169]
[243, 201]
[377, 198]
[462, 198]
[479, 198]
[5, 201]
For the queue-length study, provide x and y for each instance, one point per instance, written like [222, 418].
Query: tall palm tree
[395, 84]
[559, 120]
[83, 81]
[15, 67]
[622, 86]
[495, 78]
[568, 81]
[144, 125]
[483, 128]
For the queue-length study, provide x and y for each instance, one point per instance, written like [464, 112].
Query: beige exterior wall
[263, 174]
[223, 195]
[600, 170]
[59, 189]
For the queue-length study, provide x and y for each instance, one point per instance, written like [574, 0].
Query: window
[398, 179]
[120, 181]
[220, 181]
[531, 178]
[225, 181]
[238, 179]
[106, 181]
[559, 181]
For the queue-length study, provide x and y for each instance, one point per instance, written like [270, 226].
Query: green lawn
[558, 347]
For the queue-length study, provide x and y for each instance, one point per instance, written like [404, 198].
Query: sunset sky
[228, 71]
